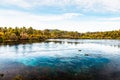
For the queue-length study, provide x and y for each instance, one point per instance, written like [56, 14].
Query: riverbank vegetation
[18, 34]
[101, 35]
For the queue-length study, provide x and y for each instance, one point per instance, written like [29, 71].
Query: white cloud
[63, 21]
[84, 26]
[17, 18]
[65, 16]
[71, 15]
[19, 3]
[99, 5]
[86, 5]
[12, 14]
[111, 19]
[34, 3]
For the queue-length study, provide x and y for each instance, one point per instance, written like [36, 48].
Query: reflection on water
[61, 59]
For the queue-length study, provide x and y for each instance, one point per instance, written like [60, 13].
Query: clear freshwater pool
[61, 59]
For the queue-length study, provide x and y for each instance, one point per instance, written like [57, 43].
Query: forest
[9, 34]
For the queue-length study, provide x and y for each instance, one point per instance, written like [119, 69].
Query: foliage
[23, 33]
[102, 35]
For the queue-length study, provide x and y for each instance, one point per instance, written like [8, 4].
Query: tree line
[8, 34]
[102, 35]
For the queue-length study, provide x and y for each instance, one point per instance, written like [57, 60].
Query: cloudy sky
[71, 15]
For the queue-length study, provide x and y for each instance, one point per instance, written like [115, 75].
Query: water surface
[61, 59]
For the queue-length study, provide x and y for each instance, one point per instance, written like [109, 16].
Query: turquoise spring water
[72, 59]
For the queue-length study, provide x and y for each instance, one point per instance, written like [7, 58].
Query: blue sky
[71, 15]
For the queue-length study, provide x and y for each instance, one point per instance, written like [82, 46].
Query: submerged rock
[79, 50]
[1, 75]
[86, 54]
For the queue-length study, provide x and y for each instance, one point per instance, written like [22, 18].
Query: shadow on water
[20, 42]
